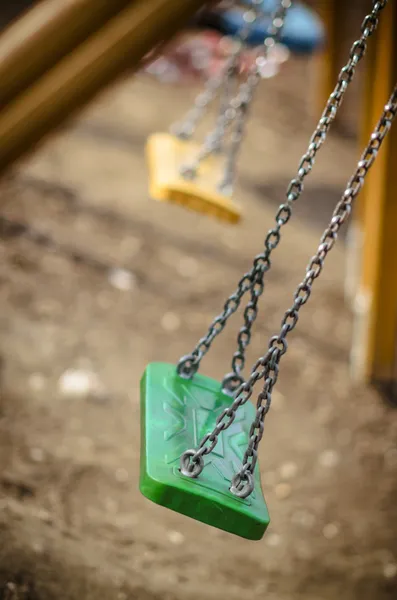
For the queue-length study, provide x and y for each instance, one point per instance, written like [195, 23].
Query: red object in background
[195, 57]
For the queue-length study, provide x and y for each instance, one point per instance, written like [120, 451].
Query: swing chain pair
[235, 378]
[238, 107]
[253, 280]
[242, 484]
[187, 127]
[267, 367]
[247, 93]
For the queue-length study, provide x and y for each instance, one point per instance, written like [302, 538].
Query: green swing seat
[175, 414]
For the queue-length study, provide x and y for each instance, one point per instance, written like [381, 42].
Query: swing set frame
[58, 57]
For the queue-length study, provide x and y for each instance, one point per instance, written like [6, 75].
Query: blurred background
[98, 279]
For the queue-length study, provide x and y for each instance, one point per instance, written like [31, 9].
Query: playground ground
[73, 525]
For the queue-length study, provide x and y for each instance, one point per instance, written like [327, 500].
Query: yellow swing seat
[165, 155]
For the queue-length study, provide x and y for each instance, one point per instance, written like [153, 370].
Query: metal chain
[254, 76]
[215, 139]
[187, 127]
[228, 110]
[189, 364]
[234, 379]
[267, 367]
[238, 108]
[242, 485]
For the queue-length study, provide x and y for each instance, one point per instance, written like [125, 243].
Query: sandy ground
[72, 523]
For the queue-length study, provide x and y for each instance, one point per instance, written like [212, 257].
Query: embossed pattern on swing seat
[166, 154]
[175, 414]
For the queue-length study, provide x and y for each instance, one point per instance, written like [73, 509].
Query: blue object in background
[303, 32]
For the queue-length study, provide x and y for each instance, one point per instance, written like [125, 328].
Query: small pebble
[288, 470]
[273, 540]
[390, 570]
[282, 490]
[328, 458]
[38, 548]
[188, 267]
[170, 322]
[175, 537]
[330, 531]
[121, 475]
[37, 454]
[75, 382]
[44, 516]
[121, 279]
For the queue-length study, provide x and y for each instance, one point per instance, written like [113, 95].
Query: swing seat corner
[165, 155]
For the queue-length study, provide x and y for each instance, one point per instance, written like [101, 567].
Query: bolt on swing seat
[175, 414]
[165, 155]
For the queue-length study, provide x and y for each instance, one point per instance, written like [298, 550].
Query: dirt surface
[72, 523]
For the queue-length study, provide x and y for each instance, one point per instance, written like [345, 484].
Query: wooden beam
[117, 47]
[43, 35]
[373, 356]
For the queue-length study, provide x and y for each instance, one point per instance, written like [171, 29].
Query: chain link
[187, 127]
[247, 92]
[188, 365]
[267, 367]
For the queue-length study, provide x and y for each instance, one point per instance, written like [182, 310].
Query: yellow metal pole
[375, 326]
[45, 34]
[340, 18]
[326, 62]
[118, 46]
[355, 237]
